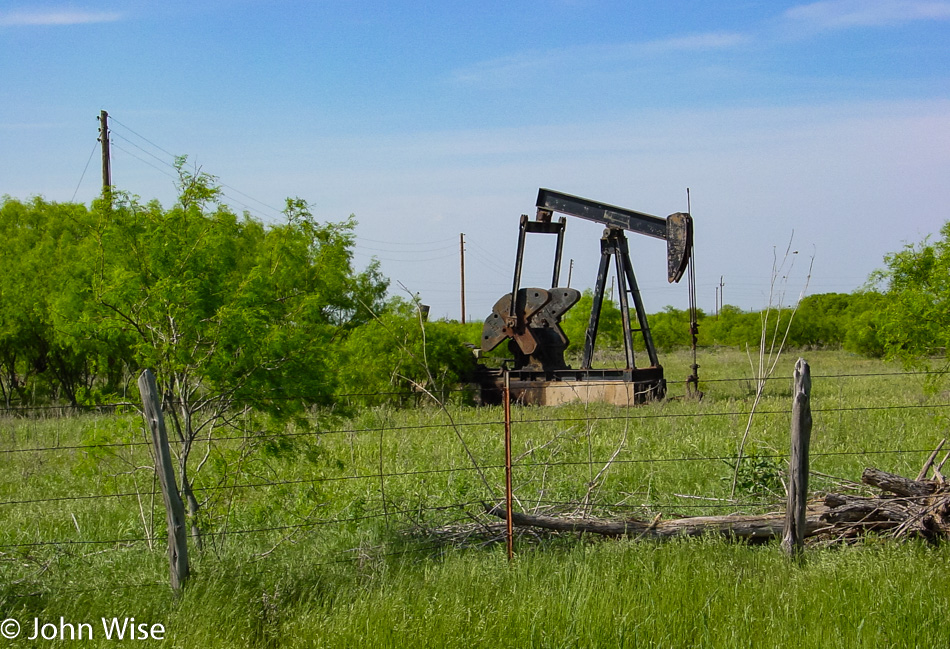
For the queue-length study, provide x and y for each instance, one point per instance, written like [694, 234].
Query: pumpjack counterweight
[529, 318]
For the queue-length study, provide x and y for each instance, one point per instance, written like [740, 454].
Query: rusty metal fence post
[509, 497]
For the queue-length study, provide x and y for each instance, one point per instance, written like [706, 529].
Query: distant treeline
[828, 320]
[223, 306]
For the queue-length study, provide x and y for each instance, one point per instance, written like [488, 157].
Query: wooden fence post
[793, 539]
[174, 508]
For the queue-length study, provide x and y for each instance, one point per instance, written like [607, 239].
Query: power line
[406, 243]
[270, 207]
[165, 151]
[247, 208]
[143, 161]
[84, 169]
[173, 166]
[146, 152]
[488, 254]
[404, 252]
[414, 260]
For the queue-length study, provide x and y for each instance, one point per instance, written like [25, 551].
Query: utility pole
[462, 270]
[570, 271]
[717, 301]
[106, 161]
[722, 299]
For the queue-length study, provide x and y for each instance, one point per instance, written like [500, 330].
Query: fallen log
[762, 528]
[842, 510]
[918, 508]
[897, 484]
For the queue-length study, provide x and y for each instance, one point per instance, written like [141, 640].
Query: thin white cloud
[511, 68]
[843, 14]
[508, 68]
[699, 42]
[55, 18]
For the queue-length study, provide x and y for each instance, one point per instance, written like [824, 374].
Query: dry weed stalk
[424, 364]
[771, 347]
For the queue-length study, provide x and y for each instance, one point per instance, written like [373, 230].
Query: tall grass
[309, 546]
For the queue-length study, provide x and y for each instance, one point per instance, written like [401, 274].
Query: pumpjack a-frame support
[614, 244]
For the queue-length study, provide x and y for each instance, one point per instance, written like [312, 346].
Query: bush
[396, 355]
[915, 320]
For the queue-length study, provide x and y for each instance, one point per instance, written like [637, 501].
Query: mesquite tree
[51, 348]
[915, 321]
[226, 310]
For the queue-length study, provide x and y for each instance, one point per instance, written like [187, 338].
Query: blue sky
[823, 123]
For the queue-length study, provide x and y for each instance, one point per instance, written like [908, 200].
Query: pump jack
[529, 318]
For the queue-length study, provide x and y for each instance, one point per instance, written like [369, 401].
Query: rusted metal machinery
[529, 318]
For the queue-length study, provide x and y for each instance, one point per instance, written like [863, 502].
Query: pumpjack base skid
[619, 387]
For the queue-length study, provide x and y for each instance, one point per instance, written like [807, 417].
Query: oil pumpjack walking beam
[529, 318]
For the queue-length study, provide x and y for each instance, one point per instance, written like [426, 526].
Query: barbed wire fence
[403, 485]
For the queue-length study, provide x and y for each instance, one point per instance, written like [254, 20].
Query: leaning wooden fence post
[793, 539]
[174, 508]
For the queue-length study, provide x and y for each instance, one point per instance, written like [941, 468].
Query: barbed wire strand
[460, 390]
[464, 469]
[350, 431]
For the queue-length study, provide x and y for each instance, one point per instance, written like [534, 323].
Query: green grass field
[367, 528]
